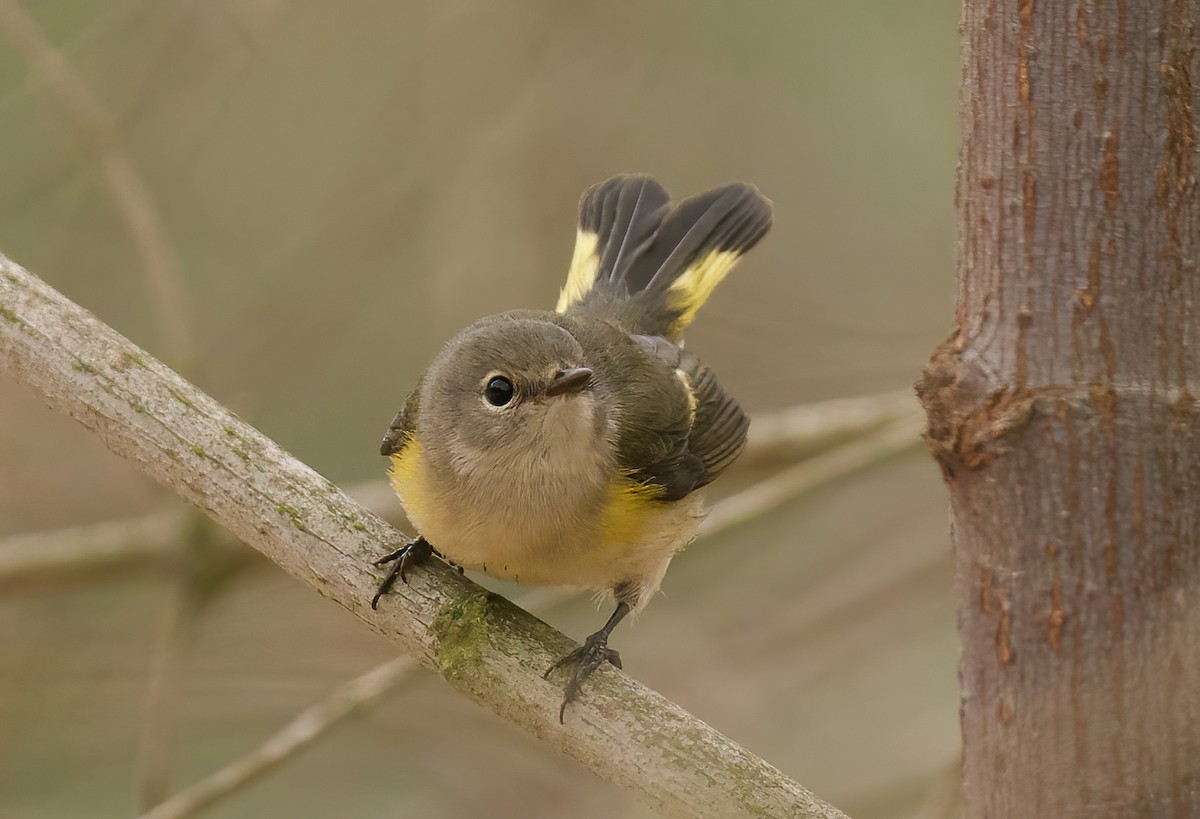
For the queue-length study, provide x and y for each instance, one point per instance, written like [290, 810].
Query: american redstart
[564, 448]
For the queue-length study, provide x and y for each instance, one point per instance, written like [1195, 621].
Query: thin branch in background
[801, 429]
[202, 570]
[98, 138]
[151, 541]
[770, 493]
[31, 559]
[197, 585]
[305, 729]
[206, 567]
[164, 690]
[131, 195]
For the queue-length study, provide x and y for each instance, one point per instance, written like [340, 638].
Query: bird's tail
[650, 265]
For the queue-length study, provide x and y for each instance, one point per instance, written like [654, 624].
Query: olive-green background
[345, 185]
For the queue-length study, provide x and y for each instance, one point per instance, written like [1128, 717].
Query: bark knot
[968, 418]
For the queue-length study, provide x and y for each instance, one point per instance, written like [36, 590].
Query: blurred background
[297, 203]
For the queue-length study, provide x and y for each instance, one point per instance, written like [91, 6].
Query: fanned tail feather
[651, 266]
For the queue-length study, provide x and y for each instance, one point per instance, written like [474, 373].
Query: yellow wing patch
[582, 276]
[690, 290]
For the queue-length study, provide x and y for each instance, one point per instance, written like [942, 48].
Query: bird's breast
[539, 522]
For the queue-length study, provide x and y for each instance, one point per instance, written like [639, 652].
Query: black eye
[499, 391]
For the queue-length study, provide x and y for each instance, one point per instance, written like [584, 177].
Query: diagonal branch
[486, 647]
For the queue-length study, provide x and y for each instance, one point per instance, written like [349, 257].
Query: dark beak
[569, 381]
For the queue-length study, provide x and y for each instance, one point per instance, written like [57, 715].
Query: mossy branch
[486, 647]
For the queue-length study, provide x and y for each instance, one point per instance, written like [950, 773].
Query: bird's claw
[585, 659]
[411, 554]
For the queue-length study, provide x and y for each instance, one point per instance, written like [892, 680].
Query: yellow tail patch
[585, 263]
[690, 290]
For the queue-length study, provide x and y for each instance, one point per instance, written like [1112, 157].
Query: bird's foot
[582, 662]
[411, 554]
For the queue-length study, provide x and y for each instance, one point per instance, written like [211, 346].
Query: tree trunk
[1062, 410]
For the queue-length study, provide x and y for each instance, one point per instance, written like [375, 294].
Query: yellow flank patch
[631, 505]
[582, 276]
[688, 293]
[405, 478]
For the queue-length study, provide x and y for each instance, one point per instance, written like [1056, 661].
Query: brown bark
[1062, 409]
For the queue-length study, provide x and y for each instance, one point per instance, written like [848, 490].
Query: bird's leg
[588, 657]
[411, 554]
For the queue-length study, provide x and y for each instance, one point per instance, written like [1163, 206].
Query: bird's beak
[569, 381]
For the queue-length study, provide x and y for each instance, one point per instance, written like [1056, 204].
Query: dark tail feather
[650, 268]
[617, 221]
[625, 212]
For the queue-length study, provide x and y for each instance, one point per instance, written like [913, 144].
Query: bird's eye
[499, 391]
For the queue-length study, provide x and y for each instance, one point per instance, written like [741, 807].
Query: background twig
[131, 195]
[897, 436]
[204, 569]
[308, 726]
[164, 689]
[98, 138]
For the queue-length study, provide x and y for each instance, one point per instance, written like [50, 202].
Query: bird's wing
[403, 426]
[690, 453]
[719, 426]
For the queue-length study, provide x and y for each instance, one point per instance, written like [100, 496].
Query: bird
[566, 447]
